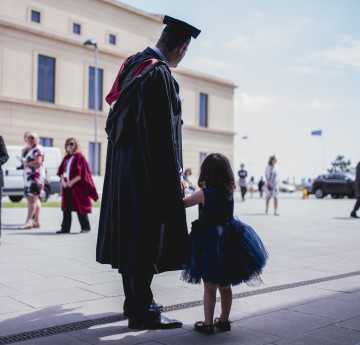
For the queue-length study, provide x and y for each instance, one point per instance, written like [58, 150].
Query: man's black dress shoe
[160, 322]
[84, 230]
[354, 215]
[159, 306]
[62, 232]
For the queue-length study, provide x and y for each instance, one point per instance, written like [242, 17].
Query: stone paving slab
[48, 280]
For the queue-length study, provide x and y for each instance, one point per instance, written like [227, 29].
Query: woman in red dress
[78, 187]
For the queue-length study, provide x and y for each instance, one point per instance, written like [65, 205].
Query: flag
[319, 132]
[245, 137]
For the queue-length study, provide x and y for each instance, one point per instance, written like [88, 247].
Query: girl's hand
[64, 184]
[182, 185]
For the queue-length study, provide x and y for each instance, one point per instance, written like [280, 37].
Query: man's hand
[64, 184]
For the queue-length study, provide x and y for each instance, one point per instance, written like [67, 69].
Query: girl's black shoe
[201, 327]
[223, 326]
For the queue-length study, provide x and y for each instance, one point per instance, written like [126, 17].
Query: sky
[296, 65]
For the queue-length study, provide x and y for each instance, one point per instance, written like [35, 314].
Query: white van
[13, 176]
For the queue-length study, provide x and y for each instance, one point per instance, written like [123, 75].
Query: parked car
[13, 176]
[286, 187]
[337, 185]
[308, 187]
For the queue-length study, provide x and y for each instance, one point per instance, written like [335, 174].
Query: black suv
[337, 185]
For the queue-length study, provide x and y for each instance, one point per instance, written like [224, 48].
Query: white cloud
[208, 43]
[258, 15]
[303, 70]
[347, 54]
[319, 104]
[257, 102]
[243, 42]
[214, 63]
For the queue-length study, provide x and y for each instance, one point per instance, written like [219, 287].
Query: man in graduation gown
[142, 227]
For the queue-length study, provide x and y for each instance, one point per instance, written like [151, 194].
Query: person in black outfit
[242, 181]
[261, 186]
[142, 226]
[357, 193]
[3, 159]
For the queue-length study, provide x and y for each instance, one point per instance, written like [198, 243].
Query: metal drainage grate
[10, 339]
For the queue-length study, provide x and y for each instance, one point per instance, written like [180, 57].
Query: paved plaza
[310, 295]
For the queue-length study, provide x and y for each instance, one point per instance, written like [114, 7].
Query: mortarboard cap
[179, 29]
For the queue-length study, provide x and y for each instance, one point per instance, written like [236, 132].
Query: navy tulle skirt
[227, 254]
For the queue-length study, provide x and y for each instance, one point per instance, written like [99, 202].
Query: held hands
[182, 185]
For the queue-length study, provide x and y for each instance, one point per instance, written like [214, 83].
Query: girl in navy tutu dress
[224, 251]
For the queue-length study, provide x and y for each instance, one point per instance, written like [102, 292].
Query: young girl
[224, 251]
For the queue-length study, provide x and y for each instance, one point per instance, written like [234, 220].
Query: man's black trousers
[139, 304]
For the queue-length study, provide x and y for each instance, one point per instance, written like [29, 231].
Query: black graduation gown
[142, 222]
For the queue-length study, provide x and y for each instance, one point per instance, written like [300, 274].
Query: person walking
[261, 186]
[77, 187]
[224, 251]
[142, 226]
[251, 185]
[34, 179]
[272, 184]
[357, 193]
[242, 181]
[3, 159]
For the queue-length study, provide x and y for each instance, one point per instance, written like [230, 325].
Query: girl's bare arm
[194, 199]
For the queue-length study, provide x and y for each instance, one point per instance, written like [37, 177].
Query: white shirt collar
[161, 55]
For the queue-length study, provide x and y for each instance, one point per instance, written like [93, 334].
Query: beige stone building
[47, 76]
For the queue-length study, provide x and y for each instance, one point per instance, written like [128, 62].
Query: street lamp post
[96, 103]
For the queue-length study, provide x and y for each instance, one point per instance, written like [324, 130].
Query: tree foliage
[340, 165]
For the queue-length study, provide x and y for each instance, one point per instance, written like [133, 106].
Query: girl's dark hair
[216, 172]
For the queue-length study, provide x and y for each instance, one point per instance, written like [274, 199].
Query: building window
[76, 28]
[46, 142]
[94, 164]
[202, 157]
[203, 113]
[112, 39]
[35, 16]
[92, 88]
[46, 79]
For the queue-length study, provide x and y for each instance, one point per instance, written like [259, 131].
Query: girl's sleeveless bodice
[217, 209]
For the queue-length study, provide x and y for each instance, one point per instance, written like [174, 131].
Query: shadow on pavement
[57, 316]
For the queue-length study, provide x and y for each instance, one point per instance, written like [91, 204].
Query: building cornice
[156, 17]
[51, 106]
[207, 130]
[203, 76]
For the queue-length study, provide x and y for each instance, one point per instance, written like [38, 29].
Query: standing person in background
[272, 184]
[357, 192]
[34, 178]
[78, 187]
[251, 185]
[188, 183]
[261, 186]
[3, 159]
[242, 181]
